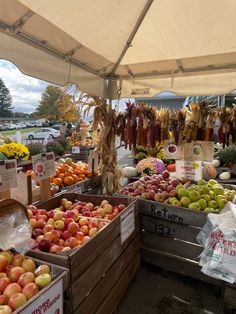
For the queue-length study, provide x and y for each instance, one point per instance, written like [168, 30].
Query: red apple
[71, 242]
[47, 228]
[79, 236]
[104, 202]
[92, 232]
[29, 265]
[17, 300]
[58, 216]
[42, 217]
[102, 224]
[42, 269]
[30, 290]
[43, 280]
[56, 235]
[15, 273]
[2, 275]
[3, 300]
[68, 221]
[90, 206]
[67, 204]
[73, 227]
[50, 221]
[61, 242]
[3, 263]
[50, 214]
[121, 207]
[66, 248]
[40, 224]
[101, 212]
[49, 236]
[45, 245]
[63, 201]
[25, 279]
[83, 221]
[85, 239]
[33, 221]
[39, 238]
[108, 208]
[4, 282]
[5, 309]
[8, 256]
[11, 289]
[55, 249]
[36, 232]
[84, 229]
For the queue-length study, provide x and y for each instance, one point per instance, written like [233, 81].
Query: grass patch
[13, 132]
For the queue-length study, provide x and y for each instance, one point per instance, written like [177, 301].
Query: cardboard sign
[199, 150]
[93, 161]
[127, 223]
[50, 302]
[172, 151]
[75, 149]
[8, 174]
[44, 165]
[20, 192]
[191, 170]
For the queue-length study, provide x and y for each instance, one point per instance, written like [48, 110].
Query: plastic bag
[207, 228]
[15, 232]
[218, 258]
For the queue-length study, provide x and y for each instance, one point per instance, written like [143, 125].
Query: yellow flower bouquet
[15, 151]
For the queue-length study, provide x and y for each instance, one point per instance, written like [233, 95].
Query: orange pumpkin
[68, 180]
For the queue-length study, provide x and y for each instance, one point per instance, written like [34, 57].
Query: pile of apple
[157, 187]
[208, 196]
[20, 280]
[70, 225]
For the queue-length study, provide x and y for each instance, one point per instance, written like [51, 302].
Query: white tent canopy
[137, 47]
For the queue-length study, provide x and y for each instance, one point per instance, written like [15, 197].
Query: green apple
[176, 203]
[172, 199]
[221, 203]
[193, 187]
[220, 197]
[218, 189]
[204, 189]
[203, 204]
[211, 210]
[179, 186]
[182, 192]
[201, 182]
[194, 195]
[213, 204]
[230, 195]
[206, 197]
[185, 201]
[212, 182]
[212, 195]
[195, 206]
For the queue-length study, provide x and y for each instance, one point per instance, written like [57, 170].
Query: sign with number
[127, 223]
[51, 301]
[8, 174]
[93, 161]
[75, 149]
[44, 165]
[191, 170]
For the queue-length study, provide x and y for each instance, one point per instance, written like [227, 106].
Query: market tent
[137, 47]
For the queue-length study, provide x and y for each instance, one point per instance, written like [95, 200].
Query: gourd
[129, 172]
[216, 163]
[209, 172]
[225, 175]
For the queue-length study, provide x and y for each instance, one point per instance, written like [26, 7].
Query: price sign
[8, 175]
[191, 170]
[20, 192]
[51, 301]
[93, 161]
[127, 223]
[44, 165]
[75, 149]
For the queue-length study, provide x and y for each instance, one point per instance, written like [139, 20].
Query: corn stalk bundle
[233, 124]
[224, 129]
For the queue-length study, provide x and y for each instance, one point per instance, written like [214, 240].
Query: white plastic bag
[218, 258]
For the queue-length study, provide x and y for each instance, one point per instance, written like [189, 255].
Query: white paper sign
[93, 155]
[127, 223]
[50, 302]
[8, 174]
[75, 149]
[20, 192]
[44, 165]
[191, 170]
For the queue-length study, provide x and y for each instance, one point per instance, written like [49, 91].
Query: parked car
[4, 127]
[56, 126]
[33, 124]
[45, 133]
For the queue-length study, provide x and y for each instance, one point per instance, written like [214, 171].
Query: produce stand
[83, 155]
[101, 270]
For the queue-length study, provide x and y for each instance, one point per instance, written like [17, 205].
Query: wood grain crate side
[89, 278]
[100, 242]
[229, 295]
[169, 229]
[176, 264]
[55, 259]
[173, 246]
[84, 185]
[117, 292]
[110, 278]
[172, 213]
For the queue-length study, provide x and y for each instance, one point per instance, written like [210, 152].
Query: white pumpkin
[129, 172]
[225, 175]
[216, 163]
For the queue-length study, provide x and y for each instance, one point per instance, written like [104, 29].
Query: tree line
[55, 105]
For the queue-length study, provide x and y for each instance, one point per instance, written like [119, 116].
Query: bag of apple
[219, 255]
[15, 229]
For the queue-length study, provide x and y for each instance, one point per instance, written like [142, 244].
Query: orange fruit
[64, 167]
[61, 176]
[68, 180]
[69, 173]
[74, 176]
[52, 179]
[57, 181]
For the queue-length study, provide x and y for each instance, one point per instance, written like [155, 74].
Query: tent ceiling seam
[132, 35]
[7, 29]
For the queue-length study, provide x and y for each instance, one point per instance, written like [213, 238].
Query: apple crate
[86, 186]
[100, 270]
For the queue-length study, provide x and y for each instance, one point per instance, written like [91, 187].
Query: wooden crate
[85, 186]
[168, 238]
[103, 267]
[83, 154]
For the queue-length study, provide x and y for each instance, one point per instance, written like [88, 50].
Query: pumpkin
[171, 168]
[129, 172]
[225, 175]
[209, 172]
[216, 163]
